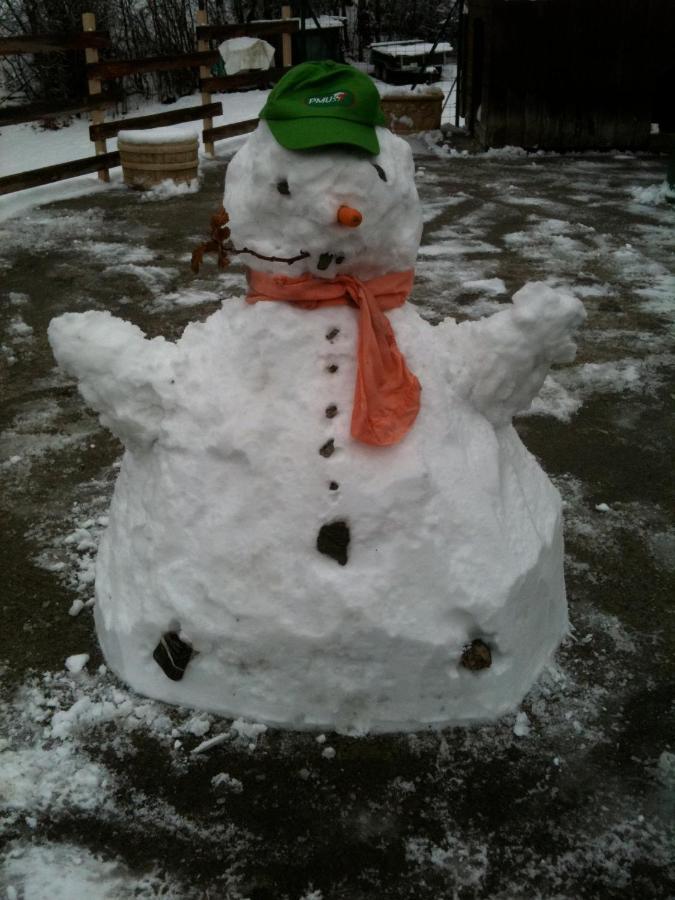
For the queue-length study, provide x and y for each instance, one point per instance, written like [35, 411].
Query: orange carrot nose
[349, 217]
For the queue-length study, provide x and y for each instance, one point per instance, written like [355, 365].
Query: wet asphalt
[578, 808]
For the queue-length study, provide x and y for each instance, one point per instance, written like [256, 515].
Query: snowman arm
[121, 374]
[505, 357]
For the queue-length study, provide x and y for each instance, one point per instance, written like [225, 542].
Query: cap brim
[314, 131]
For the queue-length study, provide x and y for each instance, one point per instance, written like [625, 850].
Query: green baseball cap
[320, 103]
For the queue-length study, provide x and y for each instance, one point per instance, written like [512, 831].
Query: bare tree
[145, 28]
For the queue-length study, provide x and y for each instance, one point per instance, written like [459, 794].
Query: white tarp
[242, 53]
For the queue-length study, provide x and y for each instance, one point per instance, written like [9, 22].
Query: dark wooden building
[567, 74]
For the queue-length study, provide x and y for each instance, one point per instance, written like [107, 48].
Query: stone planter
[407, 112]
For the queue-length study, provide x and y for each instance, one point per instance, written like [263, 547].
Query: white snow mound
[455, 532]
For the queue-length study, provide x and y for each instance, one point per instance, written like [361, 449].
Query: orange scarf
[386, 394]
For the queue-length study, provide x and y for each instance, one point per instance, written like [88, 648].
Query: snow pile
[75, 664]
[19, 330]
[395, 92]
[239, 453]
[487, 285]
[452, 240]
[506, 152]
[630, 375]
[427, 90]
[56, 779]
[460, 855]
[73, 555]
[324, 22]
[169, 135]
[615, 376]
[168, 189]
[554, 400]
[189, 297]
[63, 871]
[20, 336]
[114, 253]
[51, 729]
[43, 231]
[653, 194]
[155, 279]
[410, 48]
[31, 436]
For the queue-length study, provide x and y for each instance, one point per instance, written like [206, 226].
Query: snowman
[324, 517]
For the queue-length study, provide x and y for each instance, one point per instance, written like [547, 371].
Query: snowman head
[320, 186]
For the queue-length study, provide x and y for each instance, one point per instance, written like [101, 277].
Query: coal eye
[380, 171]
[282, 187]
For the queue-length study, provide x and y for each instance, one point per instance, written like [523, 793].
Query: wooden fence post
[286, 51]
[205, 72]
[97, 115]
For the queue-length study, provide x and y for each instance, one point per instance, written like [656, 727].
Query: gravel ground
[101, 792]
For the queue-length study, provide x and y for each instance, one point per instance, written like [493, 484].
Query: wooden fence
[106, 72]
[88, 40]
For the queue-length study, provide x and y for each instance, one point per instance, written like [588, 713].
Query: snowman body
[239, 452]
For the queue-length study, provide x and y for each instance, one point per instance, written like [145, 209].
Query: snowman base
[372, 680]
[321, 579]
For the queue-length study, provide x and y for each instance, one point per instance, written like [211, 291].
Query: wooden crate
[407, 113]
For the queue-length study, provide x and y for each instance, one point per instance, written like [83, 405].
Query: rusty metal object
[219, 235]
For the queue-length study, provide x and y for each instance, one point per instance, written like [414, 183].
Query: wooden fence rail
[259, 79]
[227, 131]
[29, 112]
[89, 40]
[119, 68]
[48, 174]
[171, 117]
[50, 43]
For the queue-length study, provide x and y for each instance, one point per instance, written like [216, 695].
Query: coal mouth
[327, 258]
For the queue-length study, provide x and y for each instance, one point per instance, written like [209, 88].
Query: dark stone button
[328, 448]
[477, 655]
[332, 334]
[332, 369]
[331, 411]
[172, 655]
[333, 486]
[333, 541]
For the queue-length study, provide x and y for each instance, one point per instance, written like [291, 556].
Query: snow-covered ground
[104, 794]
[28, 146]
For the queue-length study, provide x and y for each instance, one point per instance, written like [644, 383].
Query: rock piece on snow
[333, 541]
[172, 655]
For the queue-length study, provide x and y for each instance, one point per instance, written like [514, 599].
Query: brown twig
[219, 235]
[286, 259]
